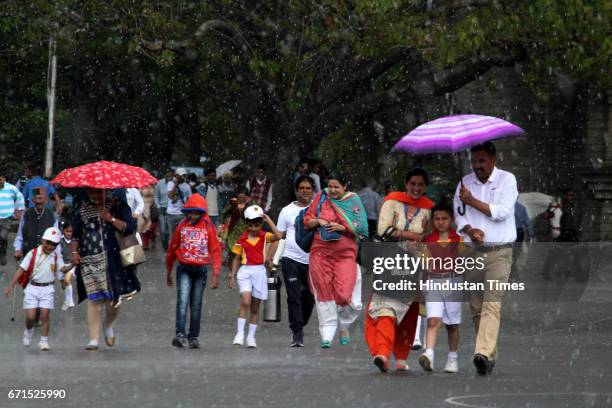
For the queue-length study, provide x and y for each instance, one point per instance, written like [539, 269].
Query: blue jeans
[190, 284]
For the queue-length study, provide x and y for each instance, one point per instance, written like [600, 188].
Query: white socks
[240, 327]
[430, 354]
[252, 328]
[108, 332]
[452, 355]
[44, 339]
[29, 332]
[68, 294]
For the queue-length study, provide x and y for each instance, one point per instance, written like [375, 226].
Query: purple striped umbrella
[455, 133]
[451, 134]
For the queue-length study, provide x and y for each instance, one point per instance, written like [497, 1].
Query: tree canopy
[157, 81]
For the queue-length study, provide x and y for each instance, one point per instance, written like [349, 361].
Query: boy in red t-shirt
[250, 254]
[194, 244]
[442, 306]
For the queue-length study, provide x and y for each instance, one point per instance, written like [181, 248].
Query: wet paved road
[550, 356]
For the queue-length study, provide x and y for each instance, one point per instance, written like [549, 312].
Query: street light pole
[51, 81]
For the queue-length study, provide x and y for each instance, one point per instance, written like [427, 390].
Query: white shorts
[38, 297]
[447, 304]
[253, 279]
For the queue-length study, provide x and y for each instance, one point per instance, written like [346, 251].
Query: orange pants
[384, 336]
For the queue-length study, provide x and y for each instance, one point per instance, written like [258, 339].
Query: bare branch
[220, 26]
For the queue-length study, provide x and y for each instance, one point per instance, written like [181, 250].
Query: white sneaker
[65, 306]
[452, 366]
[71, 303]
[250, 342]
[43, 345]
[27, 339]
[238, 339]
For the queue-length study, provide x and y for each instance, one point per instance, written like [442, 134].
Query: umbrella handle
[461, 209]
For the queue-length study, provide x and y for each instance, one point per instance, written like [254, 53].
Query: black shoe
[179, 341]
[483, 365]
[194, 343]
[297, 340]
[3, 260]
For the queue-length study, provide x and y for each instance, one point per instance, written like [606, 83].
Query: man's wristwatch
[113, 219]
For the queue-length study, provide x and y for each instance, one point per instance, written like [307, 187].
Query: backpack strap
[25, 278]
[32, 262]
[323, 197]
[180, 193]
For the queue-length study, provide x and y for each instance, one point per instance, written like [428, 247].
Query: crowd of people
[203, 222]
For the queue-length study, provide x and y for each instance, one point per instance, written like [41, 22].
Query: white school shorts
[38, 297]
[253, 279]
[447, 304]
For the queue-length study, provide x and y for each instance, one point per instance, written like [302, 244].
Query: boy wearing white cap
[249, 254]
[37, 273]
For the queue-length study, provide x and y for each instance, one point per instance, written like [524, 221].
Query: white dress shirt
[134, 200]
[500, 192]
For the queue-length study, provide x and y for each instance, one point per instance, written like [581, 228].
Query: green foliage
[287, 65]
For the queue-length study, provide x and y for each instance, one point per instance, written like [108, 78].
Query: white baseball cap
[52, 234]
[181, 171]
[253, 212]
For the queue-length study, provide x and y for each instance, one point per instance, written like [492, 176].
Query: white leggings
[330, 313]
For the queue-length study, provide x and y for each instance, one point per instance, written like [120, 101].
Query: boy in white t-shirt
[41, 266]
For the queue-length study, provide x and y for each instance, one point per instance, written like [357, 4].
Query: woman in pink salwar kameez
[335, 277]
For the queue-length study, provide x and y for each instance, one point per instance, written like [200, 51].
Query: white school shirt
[501, 193]
[286, 223]
[45, 266]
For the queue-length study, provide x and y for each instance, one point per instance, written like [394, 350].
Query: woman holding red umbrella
[102, 280]
[99, 222]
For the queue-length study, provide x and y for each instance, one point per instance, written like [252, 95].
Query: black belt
[41, 284]
[483, 248]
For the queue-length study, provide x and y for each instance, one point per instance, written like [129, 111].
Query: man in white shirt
[294, 263]
[489, 195]
[208, 189]
[178, 193]
[135, 202]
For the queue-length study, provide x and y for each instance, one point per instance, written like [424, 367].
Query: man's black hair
[209, 171]
[301, 179]
[261, 167]
[488, 147]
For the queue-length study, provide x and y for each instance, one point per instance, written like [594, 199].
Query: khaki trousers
[486, 305]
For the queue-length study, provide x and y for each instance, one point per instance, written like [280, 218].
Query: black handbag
[387, 235]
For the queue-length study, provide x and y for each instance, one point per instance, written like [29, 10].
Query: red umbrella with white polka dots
[104, 175]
